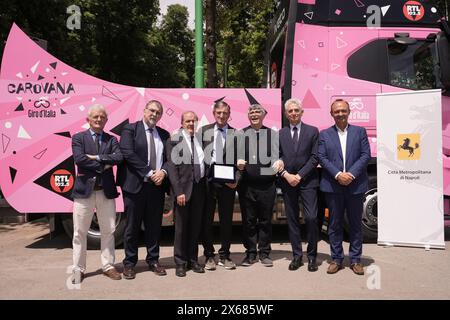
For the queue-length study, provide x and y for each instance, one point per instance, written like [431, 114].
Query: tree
[119, 41]
[242, 38]
[179, 39]
[211, 54]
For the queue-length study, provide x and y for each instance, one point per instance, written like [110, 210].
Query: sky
[190, 4]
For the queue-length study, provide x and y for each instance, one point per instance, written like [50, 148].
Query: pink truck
[44, 102]
[320, 50]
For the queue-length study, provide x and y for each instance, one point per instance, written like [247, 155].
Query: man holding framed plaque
[220, 146]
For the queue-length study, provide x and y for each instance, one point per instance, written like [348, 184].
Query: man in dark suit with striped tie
[298, 150]
[142, 179]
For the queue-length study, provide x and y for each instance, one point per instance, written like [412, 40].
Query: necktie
[98, 180]
[219, 146]
[97, 142]
[295, 138]
[152, 150]
[195, 161]
[257, 147]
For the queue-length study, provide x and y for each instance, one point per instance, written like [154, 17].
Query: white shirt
[198, 151]
[218, 135]
[159, 147]
[343, 140]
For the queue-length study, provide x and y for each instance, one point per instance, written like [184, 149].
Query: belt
[98, 188]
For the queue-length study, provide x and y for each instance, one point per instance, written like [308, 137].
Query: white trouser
[83, 211]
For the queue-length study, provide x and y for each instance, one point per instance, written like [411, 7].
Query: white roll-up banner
[409, 169]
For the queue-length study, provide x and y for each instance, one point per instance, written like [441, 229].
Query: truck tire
[93, 236]
[369, 215]
[370, 212]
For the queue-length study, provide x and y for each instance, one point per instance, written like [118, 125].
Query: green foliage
[119, 41]
[242, 27]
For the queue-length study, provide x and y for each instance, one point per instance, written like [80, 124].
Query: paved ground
[33, 266]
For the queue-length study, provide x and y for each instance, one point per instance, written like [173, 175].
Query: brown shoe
[334, 267]
[157, 269]
[113, 274]
[357, 268]
[128, 272]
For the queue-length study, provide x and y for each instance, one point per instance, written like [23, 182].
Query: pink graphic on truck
[44, 102]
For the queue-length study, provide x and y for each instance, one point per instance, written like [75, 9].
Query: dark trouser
[188, 220]
[145, 206]
[352, 204]
[223, 196]
[309, 200]
[257, 208]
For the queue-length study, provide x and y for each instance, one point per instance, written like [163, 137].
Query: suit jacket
[133, 144]
[304, 161]
[208, 140]
[89, 170]
[356, 159]
[181, 173]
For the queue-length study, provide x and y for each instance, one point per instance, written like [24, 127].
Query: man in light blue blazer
[344, 154]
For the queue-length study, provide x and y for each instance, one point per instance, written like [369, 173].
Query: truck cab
[321, 50]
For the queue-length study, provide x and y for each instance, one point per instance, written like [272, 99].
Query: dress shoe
[157, 269]
[334, 267]
[357, 268]
[295, 263]
[196, 267]
[180, 270]
[112, 274]
[129, 273]
[312, 265]
[77, 277]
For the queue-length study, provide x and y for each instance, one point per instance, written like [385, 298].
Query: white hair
[293, 101]
[97, 107]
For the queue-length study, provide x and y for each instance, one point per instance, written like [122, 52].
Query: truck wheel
[93, 236]
[369, 215]
[370, 212]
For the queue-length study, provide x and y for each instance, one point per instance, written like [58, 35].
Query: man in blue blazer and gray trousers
[95, 152]
[344, 154]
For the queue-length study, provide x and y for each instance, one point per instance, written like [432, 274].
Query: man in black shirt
[257, 191]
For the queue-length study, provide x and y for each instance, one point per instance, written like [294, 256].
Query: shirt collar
[146, 127]
[342, 131]
[94, 133]
[299, 126]
[225, 127]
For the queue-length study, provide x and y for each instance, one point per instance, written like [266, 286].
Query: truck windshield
[412, 66]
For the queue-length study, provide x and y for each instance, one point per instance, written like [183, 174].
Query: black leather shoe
[196, 267]
[180, 270]
[312, 265]
[157, 269]
[129, 273]
[295, 263]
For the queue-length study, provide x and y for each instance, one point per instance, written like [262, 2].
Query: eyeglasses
[153, 110]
